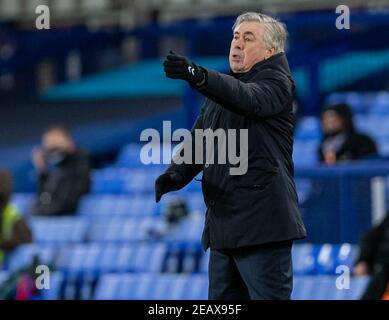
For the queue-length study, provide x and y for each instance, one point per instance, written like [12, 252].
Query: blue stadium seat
[114, 287]
[383, 146]
[130, 156]
[196, 287]
[191, 257]
[149, 257]
[105, 258]
[141, 180]
[380, 104]
[308, 128]
[314, 288]
[79, 259]
[120, 205]
[324, 287]
[380, 109]
[195, 202]
[304, 259]
[145, 286]
[120, 229]
[178, 286]
[358, 102]
[190, 229]
[22, 257]
[204, 262]
[125, 287]
[193, 199]
[53, 293]
[194, 185]
[173, 261]
[108, 286]
[357, 287]
[96, 205]
[326, 259]
[305, 153]
[93, 259]
[136, 286]
[303, 187]
[125, 180]
[151, 286]
[58, 229]
[3, 276]
[23, 201]
[346, 254]
[374, 125]
[107, 181]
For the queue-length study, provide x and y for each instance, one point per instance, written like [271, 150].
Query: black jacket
[374, 245]
[60, 190]
[355, 146]
[261, 206]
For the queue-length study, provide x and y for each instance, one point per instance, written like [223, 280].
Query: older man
[252, 219]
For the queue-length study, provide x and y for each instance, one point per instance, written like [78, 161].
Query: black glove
[179, 67]
[169, 181]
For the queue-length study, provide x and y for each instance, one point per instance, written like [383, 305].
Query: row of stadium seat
[362, 103]
[93, 259]
[151, 286]
[308, 128]
[136, 180]
[55, 283]
[98, 205]
[122, 204]
[184, 287]
[312, 259]
[77, 229]
[167, 286]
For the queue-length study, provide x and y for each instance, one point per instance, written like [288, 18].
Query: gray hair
[275, 34]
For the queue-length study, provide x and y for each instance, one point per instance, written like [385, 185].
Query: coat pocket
[257, 178]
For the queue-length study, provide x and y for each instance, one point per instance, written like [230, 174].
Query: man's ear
[269, 53]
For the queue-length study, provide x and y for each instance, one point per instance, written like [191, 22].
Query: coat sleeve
[188, 171]
[264, 97]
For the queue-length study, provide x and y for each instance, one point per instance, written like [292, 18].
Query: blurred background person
[14, 230]
[63, 173]
[340, 139]
[373, 260]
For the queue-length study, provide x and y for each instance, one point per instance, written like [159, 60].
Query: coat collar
[277, 61]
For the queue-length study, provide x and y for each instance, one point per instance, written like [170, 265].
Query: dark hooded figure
[373, 260]
[340, 139]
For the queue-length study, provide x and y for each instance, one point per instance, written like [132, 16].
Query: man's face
[247, 47]
[331, 122]
[57, 140]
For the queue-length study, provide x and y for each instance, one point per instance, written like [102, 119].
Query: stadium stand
[118, 244]
[105, 251]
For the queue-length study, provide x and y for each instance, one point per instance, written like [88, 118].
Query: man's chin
[237, 70]
[235, 66]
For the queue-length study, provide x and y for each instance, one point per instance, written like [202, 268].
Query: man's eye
[248, 39]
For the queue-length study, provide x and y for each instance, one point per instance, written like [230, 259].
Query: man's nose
[239, 44]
